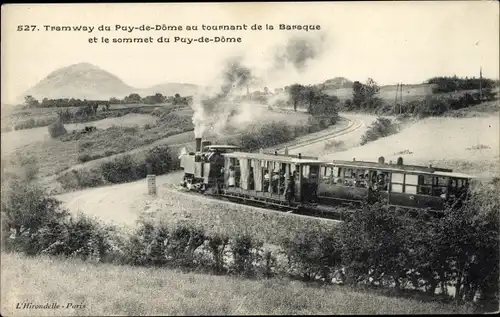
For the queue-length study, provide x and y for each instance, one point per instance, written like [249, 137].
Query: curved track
[353, 125]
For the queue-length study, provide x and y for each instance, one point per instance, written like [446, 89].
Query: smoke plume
[225, 105]
[298, 51]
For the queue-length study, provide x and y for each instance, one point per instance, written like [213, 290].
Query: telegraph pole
[481, 83]
[401, 97]
[396, 99]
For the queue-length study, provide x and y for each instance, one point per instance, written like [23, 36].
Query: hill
[170, 89]
[337, 82]
[88, 81]
[81, 81]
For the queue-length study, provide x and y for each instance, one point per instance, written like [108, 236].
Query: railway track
[353, 125]
[325, 213]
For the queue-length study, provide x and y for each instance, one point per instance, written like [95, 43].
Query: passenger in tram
[274, 182]
[381, 182]
[290, 190]
[444, 193]
[266, 180]
[251, 181]
[232, 176]
[361, 182]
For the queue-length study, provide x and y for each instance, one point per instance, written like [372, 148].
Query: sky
[390, 42]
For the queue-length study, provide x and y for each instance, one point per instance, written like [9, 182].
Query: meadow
[388, 93]
[106, 289]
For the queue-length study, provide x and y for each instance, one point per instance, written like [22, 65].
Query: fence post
[151, 185]
[151, 180]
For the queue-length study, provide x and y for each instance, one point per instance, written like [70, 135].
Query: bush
[162, 160]
[246, 254]
[217, 246]
[312, 255]
[82, 158]
[57, 129]
[122, 169]
[382, 127]
[28, 212]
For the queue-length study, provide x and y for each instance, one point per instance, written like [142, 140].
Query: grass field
[467, 145]
[388, 93]
[121, 290]
[20, 118]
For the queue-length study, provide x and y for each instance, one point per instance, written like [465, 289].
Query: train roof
[429, 170]
[223, 147]
[272, 157]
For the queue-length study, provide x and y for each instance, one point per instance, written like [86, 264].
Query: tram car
[295, 181]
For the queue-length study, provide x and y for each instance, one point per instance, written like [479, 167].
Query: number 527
[26, 27]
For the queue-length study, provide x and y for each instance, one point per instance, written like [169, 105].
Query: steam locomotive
[296, 181]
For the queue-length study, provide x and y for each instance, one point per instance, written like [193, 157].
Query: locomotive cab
[203, 168]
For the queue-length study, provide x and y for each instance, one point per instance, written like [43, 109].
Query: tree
[365, 96]
[295, 95]
[158, 98]
[357, 94]
[133, 98]
[31, 102]
[177, 99]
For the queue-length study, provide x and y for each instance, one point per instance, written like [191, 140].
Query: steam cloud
[222, 106]
[298, 51]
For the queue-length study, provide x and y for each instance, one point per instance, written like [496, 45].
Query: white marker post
[151, 181]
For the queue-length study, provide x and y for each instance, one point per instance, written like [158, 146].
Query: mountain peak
[88, 81]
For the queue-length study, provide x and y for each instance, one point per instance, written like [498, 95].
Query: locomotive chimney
[354, 159]
[300, 155]
[400, 161]
[204, 144]
[381, 160]
[198, 144]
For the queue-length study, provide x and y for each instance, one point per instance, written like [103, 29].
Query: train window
[397, 182]
[411, 179]
[410, 189]
[362, 178]
[305, 171]
[425, 180]
[336, 171]
[327, 174]
[425, 184]
[398, 178]
[380, 180]
[397, 188]
[442, 181]
[439, 191]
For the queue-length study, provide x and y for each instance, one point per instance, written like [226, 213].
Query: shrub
[382, 127]
[82, 158]
[57, 129]
[217, 246]
[27, 211]
[312, 254]
[81, 178]
[122, 169]
[184, 242]
[246, 254]
[162, 160]
[132, 130]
